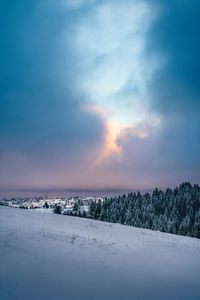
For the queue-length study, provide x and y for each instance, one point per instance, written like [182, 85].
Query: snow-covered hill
[47, 256]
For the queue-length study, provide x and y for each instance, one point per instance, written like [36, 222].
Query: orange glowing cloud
[115, 128]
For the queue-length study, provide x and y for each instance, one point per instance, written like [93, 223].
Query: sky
[99, 94]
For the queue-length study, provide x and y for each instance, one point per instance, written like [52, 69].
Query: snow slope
[47, 256]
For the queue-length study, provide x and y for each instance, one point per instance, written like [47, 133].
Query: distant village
[67, 205]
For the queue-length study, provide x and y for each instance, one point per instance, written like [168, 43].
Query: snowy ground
[47, 256]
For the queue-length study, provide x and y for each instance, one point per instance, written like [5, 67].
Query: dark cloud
[176, 88]
[167, 156]
[41, 107]
[43, 124]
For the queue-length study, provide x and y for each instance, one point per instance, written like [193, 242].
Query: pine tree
[174, 211]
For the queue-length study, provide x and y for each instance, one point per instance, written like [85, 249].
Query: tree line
[174, 211]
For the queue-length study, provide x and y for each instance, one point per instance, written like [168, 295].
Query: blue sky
[99, 94]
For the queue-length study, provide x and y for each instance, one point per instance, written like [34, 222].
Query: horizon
[23, 193]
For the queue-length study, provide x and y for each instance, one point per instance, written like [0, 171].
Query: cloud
[110, 41]
[43, 124]
[169, 153]
[175, 88]
[99, 94]
[77, 4]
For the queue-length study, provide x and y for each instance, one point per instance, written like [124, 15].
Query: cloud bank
[99, 94]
